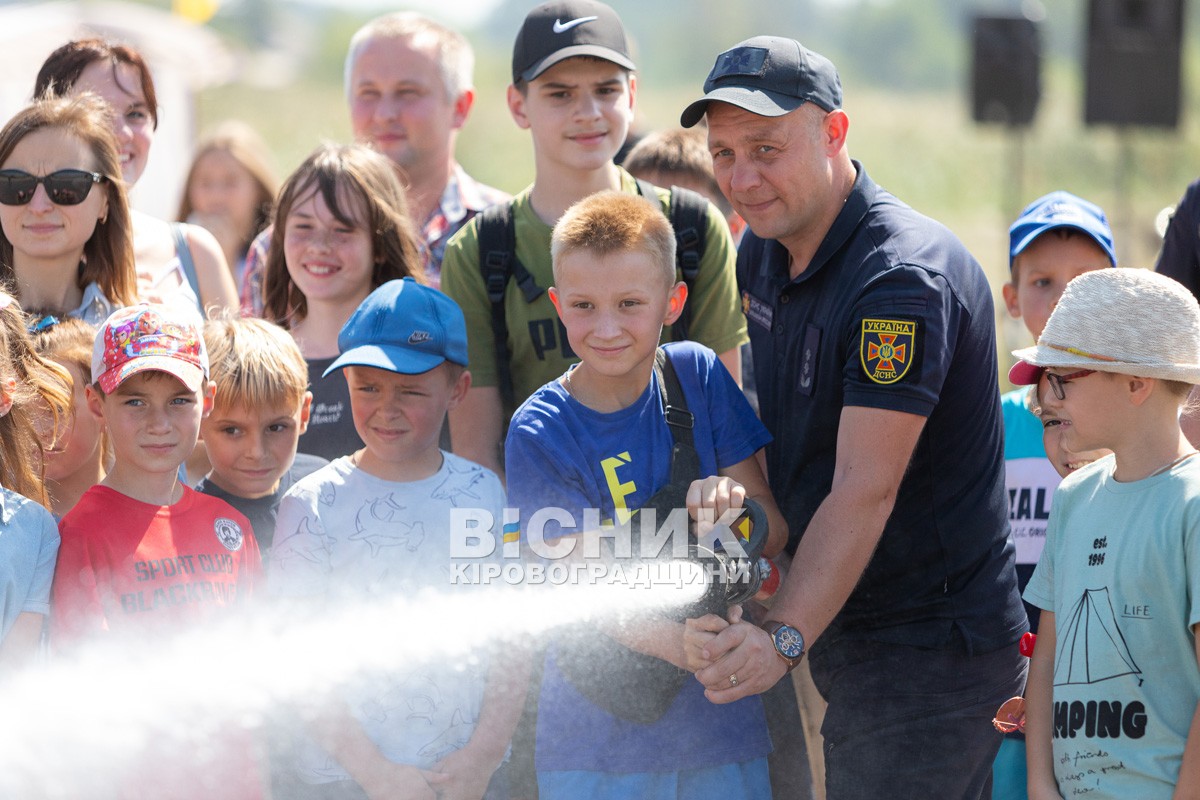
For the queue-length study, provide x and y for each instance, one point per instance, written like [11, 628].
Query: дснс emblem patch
[887, 348]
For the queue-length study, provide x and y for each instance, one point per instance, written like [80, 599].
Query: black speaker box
[1133, 62]
[1006, 72]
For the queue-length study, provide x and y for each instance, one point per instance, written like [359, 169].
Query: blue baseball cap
[1060, 210]
[769, 76]
[403, 327]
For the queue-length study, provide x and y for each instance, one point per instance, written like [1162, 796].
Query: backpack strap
[688, 214]
[646, 189]
[498, 263]
[685, 461]
[689, 218]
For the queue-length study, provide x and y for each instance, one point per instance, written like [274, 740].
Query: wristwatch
[789, 642]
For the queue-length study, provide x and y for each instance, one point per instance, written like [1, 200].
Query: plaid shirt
[463, 198]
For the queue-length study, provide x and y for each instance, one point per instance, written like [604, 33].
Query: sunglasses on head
[66, 187]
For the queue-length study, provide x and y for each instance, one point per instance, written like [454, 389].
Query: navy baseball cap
[770, 76]
[403, 327]
[553, 32]
[1060, 210]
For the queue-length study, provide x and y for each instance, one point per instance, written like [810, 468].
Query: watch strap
[772, 627]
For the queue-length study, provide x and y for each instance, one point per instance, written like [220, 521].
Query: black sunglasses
[66, 187]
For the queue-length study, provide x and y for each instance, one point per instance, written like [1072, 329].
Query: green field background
[916, 138]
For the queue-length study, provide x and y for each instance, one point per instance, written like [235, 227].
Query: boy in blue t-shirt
[596, 438]
[1056, 238]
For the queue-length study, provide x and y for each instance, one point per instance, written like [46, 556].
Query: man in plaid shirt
[409, 87]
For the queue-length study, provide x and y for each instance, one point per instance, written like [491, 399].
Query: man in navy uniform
[874, 348]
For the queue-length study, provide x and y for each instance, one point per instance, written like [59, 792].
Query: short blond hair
[455, 58]
[615, 222]
[254, 364]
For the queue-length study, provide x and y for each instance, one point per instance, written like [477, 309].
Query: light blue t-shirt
[28, 549]
[561, 454]
[1121, 572]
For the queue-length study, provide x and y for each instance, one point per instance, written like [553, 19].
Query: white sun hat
[1129, 321]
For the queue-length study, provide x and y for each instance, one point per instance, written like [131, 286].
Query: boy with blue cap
[1056, 237]
[377, 523]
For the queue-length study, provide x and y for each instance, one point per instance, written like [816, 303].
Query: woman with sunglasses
[65, 242]
[174, 261]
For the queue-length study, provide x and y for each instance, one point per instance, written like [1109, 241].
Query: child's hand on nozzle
[709, 498]
[699, 632]
[461, 775]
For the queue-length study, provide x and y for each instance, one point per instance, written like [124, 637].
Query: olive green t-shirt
[536, 337]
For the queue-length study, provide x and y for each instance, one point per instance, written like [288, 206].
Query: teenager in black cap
[573, 89]
[875, 358]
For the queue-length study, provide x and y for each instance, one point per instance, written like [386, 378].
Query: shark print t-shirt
[349, 542]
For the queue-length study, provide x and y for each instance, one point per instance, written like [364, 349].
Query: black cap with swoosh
[556, 31]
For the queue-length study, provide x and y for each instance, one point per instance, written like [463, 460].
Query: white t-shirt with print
[346, 536]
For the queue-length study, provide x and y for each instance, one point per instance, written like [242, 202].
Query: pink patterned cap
[149, 337]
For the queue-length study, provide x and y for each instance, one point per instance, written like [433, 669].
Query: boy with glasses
[1113, 696]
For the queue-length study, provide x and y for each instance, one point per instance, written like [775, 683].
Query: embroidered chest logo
[229, 533]
[887, 348]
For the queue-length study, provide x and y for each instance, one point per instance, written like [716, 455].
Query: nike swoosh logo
[563, 27]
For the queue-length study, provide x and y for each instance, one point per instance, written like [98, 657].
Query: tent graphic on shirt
[1091, 647]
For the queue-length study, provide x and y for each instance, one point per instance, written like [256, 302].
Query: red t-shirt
[149, 572]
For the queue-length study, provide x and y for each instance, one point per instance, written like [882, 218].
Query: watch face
[789, 642]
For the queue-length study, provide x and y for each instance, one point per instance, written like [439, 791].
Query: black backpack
[498, 263]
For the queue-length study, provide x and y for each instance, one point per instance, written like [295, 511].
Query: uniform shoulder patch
[887, 348]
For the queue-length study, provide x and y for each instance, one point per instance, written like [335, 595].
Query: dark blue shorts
[907, 722]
